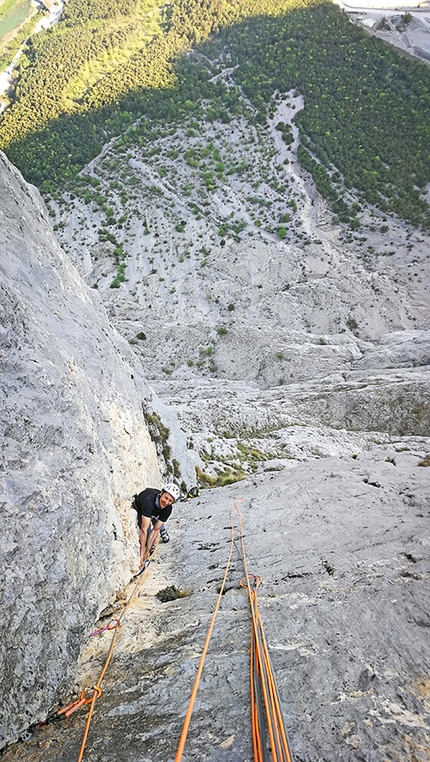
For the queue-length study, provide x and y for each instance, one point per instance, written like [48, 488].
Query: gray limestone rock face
[342, 547]
[74, 448]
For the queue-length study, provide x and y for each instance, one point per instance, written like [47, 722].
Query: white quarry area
[300, 362]
[386, 19]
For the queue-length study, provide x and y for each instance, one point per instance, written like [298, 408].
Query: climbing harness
[265, 703]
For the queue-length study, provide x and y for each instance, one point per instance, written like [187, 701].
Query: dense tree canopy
[365, 122]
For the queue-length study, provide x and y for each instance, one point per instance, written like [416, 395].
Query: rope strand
[187, 720]
[83, 699]
[266, 713]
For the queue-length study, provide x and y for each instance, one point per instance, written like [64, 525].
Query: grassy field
[14, 15]
[5, 6]
[17, 22]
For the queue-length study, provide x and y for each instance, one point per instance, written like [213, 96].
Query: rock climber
[153, 508]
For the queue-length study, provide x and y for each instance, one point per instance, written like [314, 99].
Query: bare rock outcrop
[74, 447]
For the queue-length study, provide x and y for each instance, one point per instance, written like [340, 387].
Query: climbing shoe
[152, 548]
[164, 534]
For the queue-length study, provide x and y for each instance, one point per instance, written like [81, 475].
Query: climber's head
[169, 493]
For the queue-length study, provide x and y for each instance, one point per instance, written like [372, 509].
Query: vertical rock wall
[74, 448]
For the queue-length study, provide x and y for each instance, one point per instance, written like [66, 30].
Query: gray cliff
[74, 447]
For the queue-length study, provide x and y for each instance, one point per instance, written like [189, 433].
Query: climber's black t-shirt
[147, 504]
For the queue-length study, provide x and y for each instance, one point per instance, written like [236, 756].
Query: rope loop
[254, 581]
[74, 705]
[110, 626]
[113, 624]
[143, 569]
[84, 698]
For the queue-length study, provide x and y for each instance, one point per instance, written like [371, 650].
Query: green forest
[365, 124]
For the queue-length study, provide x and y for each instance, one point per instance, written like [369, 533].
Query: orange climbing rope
[262, 676]
[265, 704]
[114, 625]
[97, 691]
[187, 720]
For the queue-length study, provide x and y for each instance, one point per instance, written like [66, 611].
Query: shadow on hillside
[365, 105]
